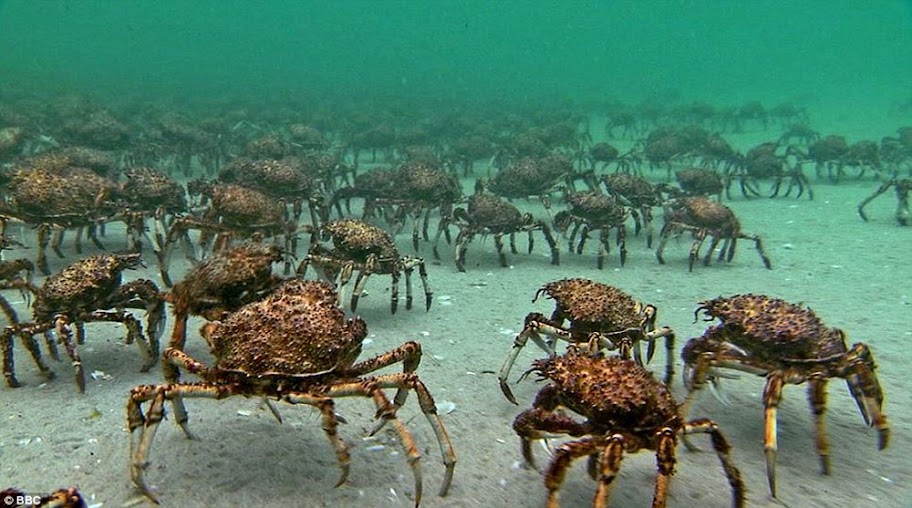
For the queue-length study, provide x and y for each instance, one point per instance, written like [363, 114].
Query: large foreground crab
[368, 249]
[787, 344]
[294, 345]
[625, 410]
[902, 186]
[88, 290]
[704, 217]
[585, 310]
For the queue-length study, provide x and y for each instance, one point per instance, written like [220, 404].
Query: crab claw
[716, 390]
[508, 393]
[650, 350]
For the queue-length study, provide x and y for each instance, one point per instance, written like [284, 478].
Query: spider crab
[82, 292]
[53, 196]
[234, 212]
[294, 345]
[639, 195]
[591, 210]
[787, 344]
[704, 217]
[625, 410]
[369, 250]
[902, 186]
[591, 311]
[489, 214]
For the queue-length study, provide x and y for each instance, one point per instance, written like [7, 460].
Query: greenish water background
[847, 51]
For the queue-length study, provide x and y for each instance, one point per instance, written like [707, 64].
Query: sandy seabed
[855, 275]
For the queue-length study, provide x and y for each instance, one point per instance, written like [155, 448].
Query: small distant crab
[279, 179]
[415, 189]
[704, 217]
[487, 214]
[700, 182]
[638, 194]
[766, 161]
[585, 310]
[787, 344]
[368, 249]
[625, 410]
[530, 176]
[902, 187]
[150, 194]
[84, 292]
[294, 345]
[591, 210]
[801, 133]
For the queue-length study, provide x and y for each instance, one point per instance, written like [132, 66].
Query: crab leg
[372, 387]
[330, 425]
[772, 395]
[817, 397]
[44, 236]
[65, 335]
[723, 451]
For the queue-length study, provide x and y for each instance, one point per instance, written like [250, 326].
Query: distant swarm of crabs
[266, 189]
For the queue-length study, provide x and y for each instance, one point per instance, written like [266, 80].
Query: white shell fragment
[445, 407]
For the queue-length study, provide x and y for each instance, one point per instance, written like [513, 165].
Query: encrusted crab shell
[242, 206]
[79, 286]
[359, 239]
[612, 392]
[761, 324]
[493, 212]
[633, 188]
[150, 188]
[596, 206]
[70, 192]
[232, 275]
[587, 301]
[424, 182]
[297, 330]
[270, 176]
[703, 212]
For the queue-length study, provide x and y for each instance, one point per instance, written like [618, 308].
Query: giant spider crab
[625, 410]
[82, 292]
[585, 310]
[902, 187]
[369, 250]
[234, 212]
[294, 345]
[51, 195]
[489, 214]
[787, 344]
[591, 210]
[704, 217]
